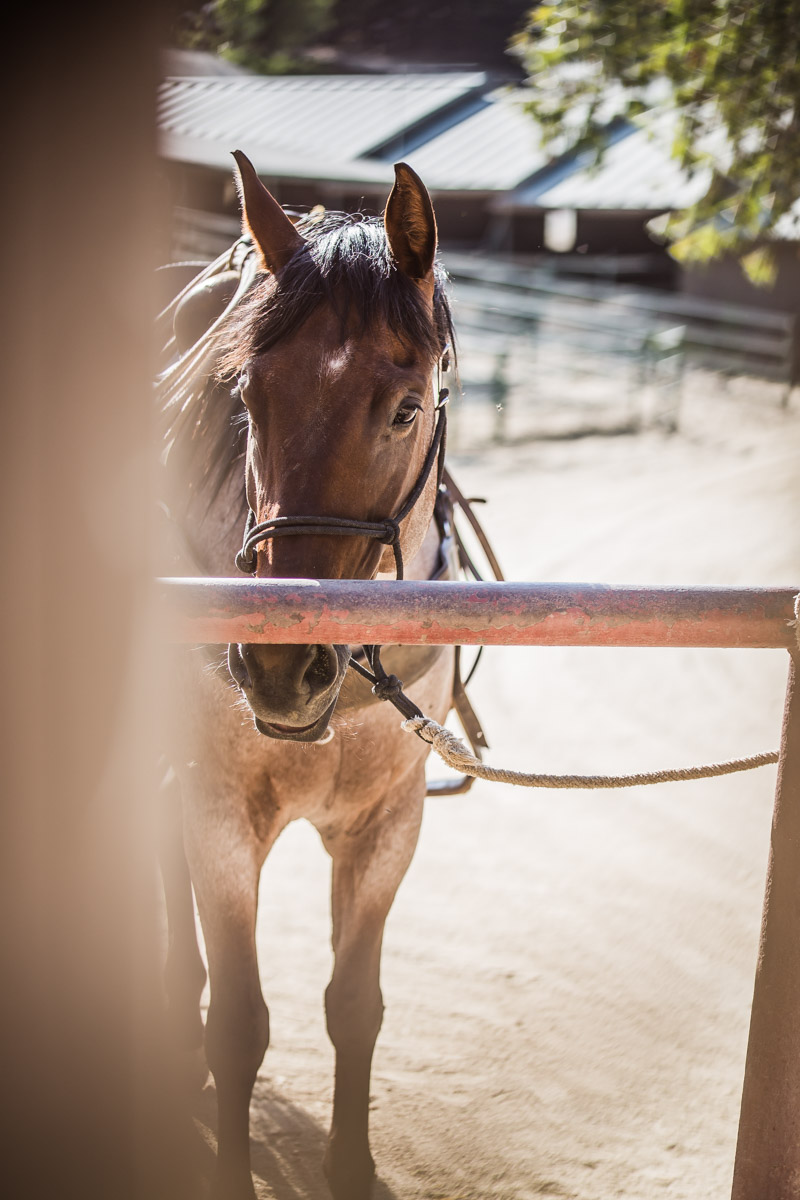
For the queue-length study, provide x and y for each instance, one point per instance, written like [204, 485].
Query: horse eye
[406, 416]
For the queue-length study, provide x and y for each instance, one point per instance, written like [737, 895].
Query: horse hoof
[225, 1187]
[350, 1175]
[226, 1192]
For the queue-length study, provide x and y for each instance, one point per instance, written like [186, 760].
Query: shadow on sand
[287, 1146]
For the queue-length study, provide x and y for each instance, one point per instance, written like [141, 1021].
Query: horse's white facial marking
[332, 365]
[336, 361]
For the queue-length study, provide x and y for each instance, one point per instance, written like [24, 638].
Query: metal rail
[351, 612]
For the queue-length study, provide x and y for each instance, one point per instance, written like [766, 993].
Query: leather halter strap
[386, 531]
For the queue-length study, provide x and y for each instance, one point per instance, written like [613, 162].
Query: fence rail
[727, 337]
[495, 614]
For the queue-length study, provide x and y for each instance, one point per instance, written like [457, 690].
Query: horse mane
[345, 263]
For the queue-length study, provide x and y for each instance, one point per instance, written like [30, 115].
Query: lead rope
[455, 754]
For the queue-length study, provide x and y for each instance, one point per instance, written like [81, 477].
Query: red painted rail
[494, 614]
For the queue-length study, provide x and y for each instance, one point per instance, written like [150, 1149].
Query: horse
[311, 416]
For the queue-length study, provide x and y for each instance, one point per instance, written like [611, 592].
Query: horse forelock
[346, 265]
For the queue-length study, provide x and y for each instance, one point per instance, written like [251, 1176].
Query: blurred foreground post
[86, 1109]
[768, 1152]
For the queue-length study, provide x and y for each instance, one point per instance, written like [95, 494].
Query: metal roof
[459, 136]
[311, 126]
[351, 128]
[637, 173]
[491, 150]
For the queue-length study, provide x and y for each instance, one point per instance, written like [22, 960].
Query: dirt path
[568, 975]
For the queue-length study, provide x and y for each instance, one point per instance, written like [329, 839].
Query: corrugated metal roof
[637, 173]
[275, 164]
[491, 150]
[455, 133]
[302, 122]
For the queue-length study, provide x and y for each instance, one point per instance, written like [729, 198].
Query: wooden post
[86, 1111]
[767, 1163]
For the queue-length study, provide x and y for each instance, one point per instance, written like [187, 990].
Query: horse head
[333, 353]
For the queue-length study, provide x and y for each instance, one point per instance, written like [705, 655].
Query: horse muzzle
[291, 690]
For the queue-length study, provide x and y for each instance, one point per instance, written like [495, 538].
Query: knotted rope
[455, 754]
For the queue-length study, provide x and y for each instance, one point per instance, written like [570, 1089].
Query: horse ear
[410, 224]
[263, 218]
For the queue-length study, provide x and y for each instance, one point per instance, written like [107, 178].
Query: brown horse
[333, 346]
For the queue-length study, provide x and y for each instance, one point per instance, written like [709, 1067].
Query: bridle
[384, 686]
[386, 531]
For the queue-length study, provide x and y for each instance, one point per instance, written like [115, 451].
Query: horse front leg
[367, 870]
[226, 860]
[184, 971]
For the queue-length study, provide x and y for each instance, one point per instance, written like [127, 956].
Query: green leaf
[760, 266]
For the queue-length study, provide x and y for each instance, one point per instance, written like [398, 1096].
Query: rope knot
[246, 561]
[391, 532]
[447, 745]
[423, 727]
[388, 687]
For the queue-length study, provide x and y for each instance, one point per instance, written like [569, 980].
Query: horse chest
[233, 772]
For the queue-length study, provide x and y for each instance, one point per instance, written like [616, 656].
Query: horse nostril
[322, 671]
[238, 667]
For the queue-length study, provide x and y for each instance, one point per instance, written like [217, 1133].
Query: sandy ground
[568, 975]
